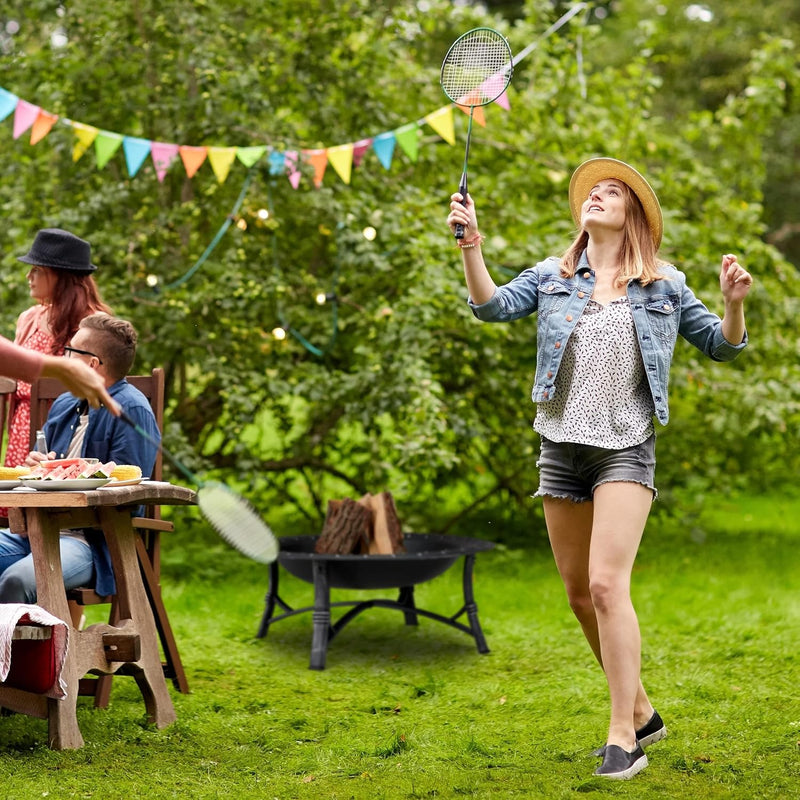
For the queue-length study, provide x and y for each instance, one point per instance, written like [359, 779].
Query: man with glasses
[107, 345]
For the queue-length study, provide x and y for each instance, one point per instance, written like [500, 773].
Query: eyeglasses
[68, 352]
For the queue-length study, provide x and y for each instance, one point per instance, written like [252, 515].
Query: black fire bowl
[427, 555]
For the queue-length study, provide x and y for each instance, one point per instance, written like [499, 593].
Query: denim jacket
[661, 311]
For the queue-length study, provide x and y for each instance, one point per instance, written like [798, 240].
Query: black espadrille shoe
[654, 730]
[619, 764]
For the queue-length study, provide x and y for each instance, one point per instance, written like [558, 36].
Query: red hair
[74, 297]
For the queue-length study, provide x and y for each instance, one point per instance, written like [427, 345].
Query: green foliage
[409, 393]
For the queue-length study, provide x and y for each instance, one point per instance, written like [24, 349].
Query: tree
[391, 384]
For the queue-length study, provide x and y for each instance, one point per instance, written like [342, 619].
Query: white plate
[70, 485]
[131, 482]
[10, 484]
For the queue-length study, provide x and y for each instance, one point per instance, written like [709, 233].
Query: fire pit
[426, 557]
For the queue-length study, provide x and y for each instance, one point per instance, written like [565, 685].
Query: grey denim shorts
[574, 471]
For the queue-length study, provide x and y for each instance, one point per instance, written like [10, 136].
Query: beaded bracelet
[471, 242]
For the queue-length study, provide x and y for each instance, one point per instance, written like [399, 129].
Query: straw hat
[59, 249]
[597, 169]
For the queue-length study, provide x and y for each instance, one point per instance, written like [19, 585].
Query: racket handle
[462, 190]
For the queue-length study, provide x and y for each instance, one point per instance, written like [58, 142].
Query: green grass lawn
[405, 712]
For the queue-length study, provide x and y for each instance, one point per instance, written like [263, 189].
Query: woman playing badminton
[609, 313]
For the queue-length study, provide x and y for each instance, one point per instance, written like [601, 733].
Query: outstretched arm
[80, 380]
[479, 283]
[735, 282]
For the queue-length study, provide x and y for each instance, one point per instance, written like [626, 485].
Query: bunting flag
[193, 158]
[8, 102]
[136, 151]
[85, 134]
[277, 163]
[41, 127]
[319, 161]
[343, 158]
[359, 149]
[383, 144]
[221, 159]
[291, 159]
[24, 116]
[442, 122]
[250, 155]
[163, 155]
[106, 143]
[407, 137]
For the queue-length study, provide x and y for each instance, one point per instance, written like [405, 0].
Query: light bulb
[279, 333]
[263, 213]
[152, 280]
[369, 233]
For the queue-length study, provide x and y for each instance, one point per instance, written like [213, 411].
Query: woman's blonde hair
[638, 258]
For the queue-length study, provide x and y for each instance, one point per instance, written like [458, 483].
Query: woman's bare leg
[569, 527]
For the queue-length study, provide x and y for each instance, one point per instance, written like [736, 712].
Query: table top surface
[144, 493]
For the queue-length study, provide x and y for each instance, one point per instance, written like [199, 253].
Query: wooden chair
[7, 387]
[148, 545]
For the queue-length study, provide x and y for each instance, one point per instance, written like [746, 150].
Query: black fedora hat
[59, 249]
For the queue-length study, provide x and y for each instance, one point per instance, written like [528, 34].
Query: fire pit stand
[426, 556]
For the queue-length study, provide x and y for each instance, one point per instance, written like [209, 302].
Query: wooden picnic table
[131, 646]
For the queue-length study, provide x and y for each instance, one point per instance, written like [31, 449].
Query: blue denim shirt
[109, 439]
[661, 311]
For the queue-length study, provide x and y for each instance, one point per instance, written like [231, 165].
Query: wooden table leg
[133, 605]
[44, 534]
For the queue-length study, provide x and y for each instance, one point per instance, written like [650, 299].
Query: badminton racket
[229, 513]
[475, 72]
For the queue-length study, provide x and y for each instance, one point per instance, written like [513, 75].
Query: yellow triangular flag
[85, 134]
[442, 122]
[341, 158]
[221, 159]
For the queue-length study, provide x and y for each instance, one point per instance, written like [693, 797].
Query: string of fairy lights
[330, 297]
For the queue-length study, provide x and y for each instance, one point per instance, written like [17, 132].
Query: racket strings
[477, 68]
[237, 522]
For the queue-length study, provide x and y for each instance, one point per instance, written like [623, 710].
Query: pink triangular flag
[290, 160]
[163, 155]
[24, 116]
[502, 101]
[359, 148]
[493, 86]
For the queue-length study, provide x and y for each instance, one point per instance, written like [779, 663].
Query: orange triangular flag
[477, 113]
[192, 157]
[341, 158]
[41, 127]
[319, 161]
[221, 159]
[442, 122]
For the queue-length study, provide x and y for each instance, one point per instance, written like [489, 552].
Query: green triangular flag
[408, 139]
[249, 155]
[106, 144]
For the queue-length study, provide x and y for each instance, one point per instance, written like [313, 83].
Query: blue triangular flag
[8, 102]
[136, 151]
[384, 148]
[276, 162]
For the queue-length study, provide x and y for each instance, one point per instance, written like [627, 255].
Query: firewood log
[347, 525]
[387, 533]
